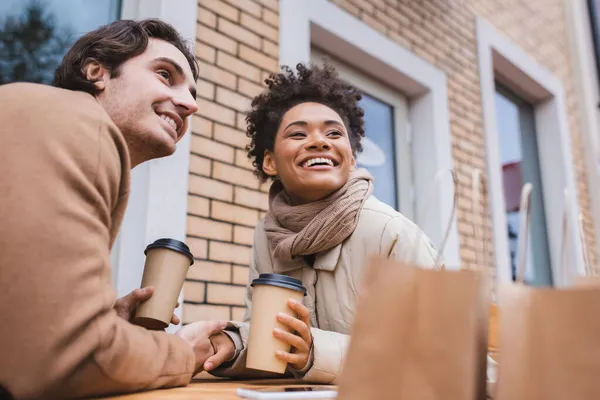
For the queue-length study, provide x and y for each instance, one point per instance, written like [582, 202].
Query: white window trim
[159, 188]
[584, 68]
[500, 59]
[322, 24]
[401, 130]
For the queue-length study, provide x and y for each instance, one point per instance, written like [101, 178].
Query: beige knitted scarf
[313, 227]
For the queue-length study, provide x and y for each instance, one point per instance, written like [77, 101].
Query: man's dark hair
[286, 90]
[113, 44]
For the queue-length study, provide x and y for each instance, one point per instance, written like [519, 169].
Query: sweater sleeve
[60, 336]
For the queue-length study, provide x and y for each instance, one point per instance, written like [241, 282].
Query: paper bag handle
[565, 237]
[524, 220]
[434, 187]
[477, 180]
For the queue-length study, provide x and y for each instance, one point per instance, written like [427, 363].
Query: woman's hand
[301, 341]
[126, 305]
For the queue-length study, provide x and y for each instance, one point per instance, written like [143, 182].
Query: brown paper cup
[167, 264]
[270, 295]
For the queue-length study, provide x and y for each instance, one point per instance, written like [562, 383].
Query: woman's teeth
[319, 160]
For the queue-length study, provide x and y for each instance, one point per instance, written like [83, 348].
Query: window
[386, 145]
[35, 35]
[520, 164]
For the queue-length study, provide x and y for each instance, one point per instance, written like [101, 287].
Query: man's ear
[96, 73]
[269, 167]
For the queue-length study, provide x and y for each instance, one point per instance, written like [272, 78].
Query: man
[123, 95]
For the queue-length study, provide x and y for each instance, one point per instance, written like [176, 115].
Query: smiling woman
[323, 221]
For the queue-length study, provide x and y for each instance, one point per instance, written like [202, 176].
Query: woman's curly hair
[286, 90]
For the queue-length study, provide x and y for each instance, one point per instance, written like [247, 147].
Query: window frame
[402, 151]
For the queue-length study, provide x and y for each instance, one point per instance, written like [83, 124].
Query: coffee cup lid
[171, 244]
[280, 280]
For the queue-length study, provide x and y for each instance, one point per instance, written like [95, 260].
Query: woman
[323, 221]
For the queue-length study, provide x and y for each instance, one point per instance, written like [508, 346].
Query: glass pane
[520, 164]
[35, 35]
[378, 154]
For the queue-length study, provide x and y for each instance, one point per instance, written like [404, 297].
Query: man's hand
[224, 349]
[198, 334]
[126, 305]
[301, 342]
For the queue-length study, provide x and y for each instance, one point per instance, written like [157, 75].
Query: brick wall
[237, 48]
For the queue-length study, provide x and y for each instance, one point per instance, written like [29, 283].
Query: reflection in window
[35, 34]
[520, 164]
[378, 155]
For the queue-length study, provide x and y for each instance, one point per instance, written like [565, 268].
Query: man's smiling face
[150, 100]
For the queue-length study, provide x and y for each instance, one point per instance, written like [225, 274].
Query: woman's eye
[297, 134]
[335, 133]
[165, 75]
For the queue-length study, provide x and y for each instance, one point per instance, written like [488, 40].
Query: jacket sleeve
[404, 241]
[61, 336]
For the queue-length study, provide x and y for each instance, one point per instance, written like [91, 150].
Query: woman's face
[312, 155]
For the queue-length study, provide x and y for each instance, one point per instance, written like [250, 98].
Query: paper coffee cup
[270, 296]
[166, 266]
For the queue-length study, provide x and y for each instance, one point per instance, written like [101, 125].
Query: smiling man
[123, 95]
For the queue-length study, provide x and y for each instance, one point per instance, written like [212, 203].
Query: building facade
[508, 88]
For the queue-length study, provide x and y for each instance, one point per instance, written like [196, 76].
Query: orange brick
[215, 39]
[236, 214]
[227, 252]
[272, 4]
[238, 313]
[211, 149]
[241, 275]
[215, 112]
[270, 17]
[225, 294]
[194, 291]
[198, 247]
[238, 33]
[230, 136]
[259, 27]
[209, 229]
[207, 17]
[200, 165]
[221, 9]
[249, 89]
[270, 48]
[206, 52]
[386, 19]
[205, 89]
[210, 271]
[363, 5]
[251, 198]
[205, 312]
[217, 75]
[240, 122]
[243, 235]
[237, 66]
[201, 126]
[373, 23]
[266, 186]
[233, 99]
[242, 160]
[247, 5]
[198, 206]
[346, 5]
[257, 58]
[238, 176]
[210, 188]
[265, 75]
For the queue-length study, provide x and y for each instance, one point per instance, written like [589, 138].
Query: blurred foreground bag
[419, 334]
[549, 338]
